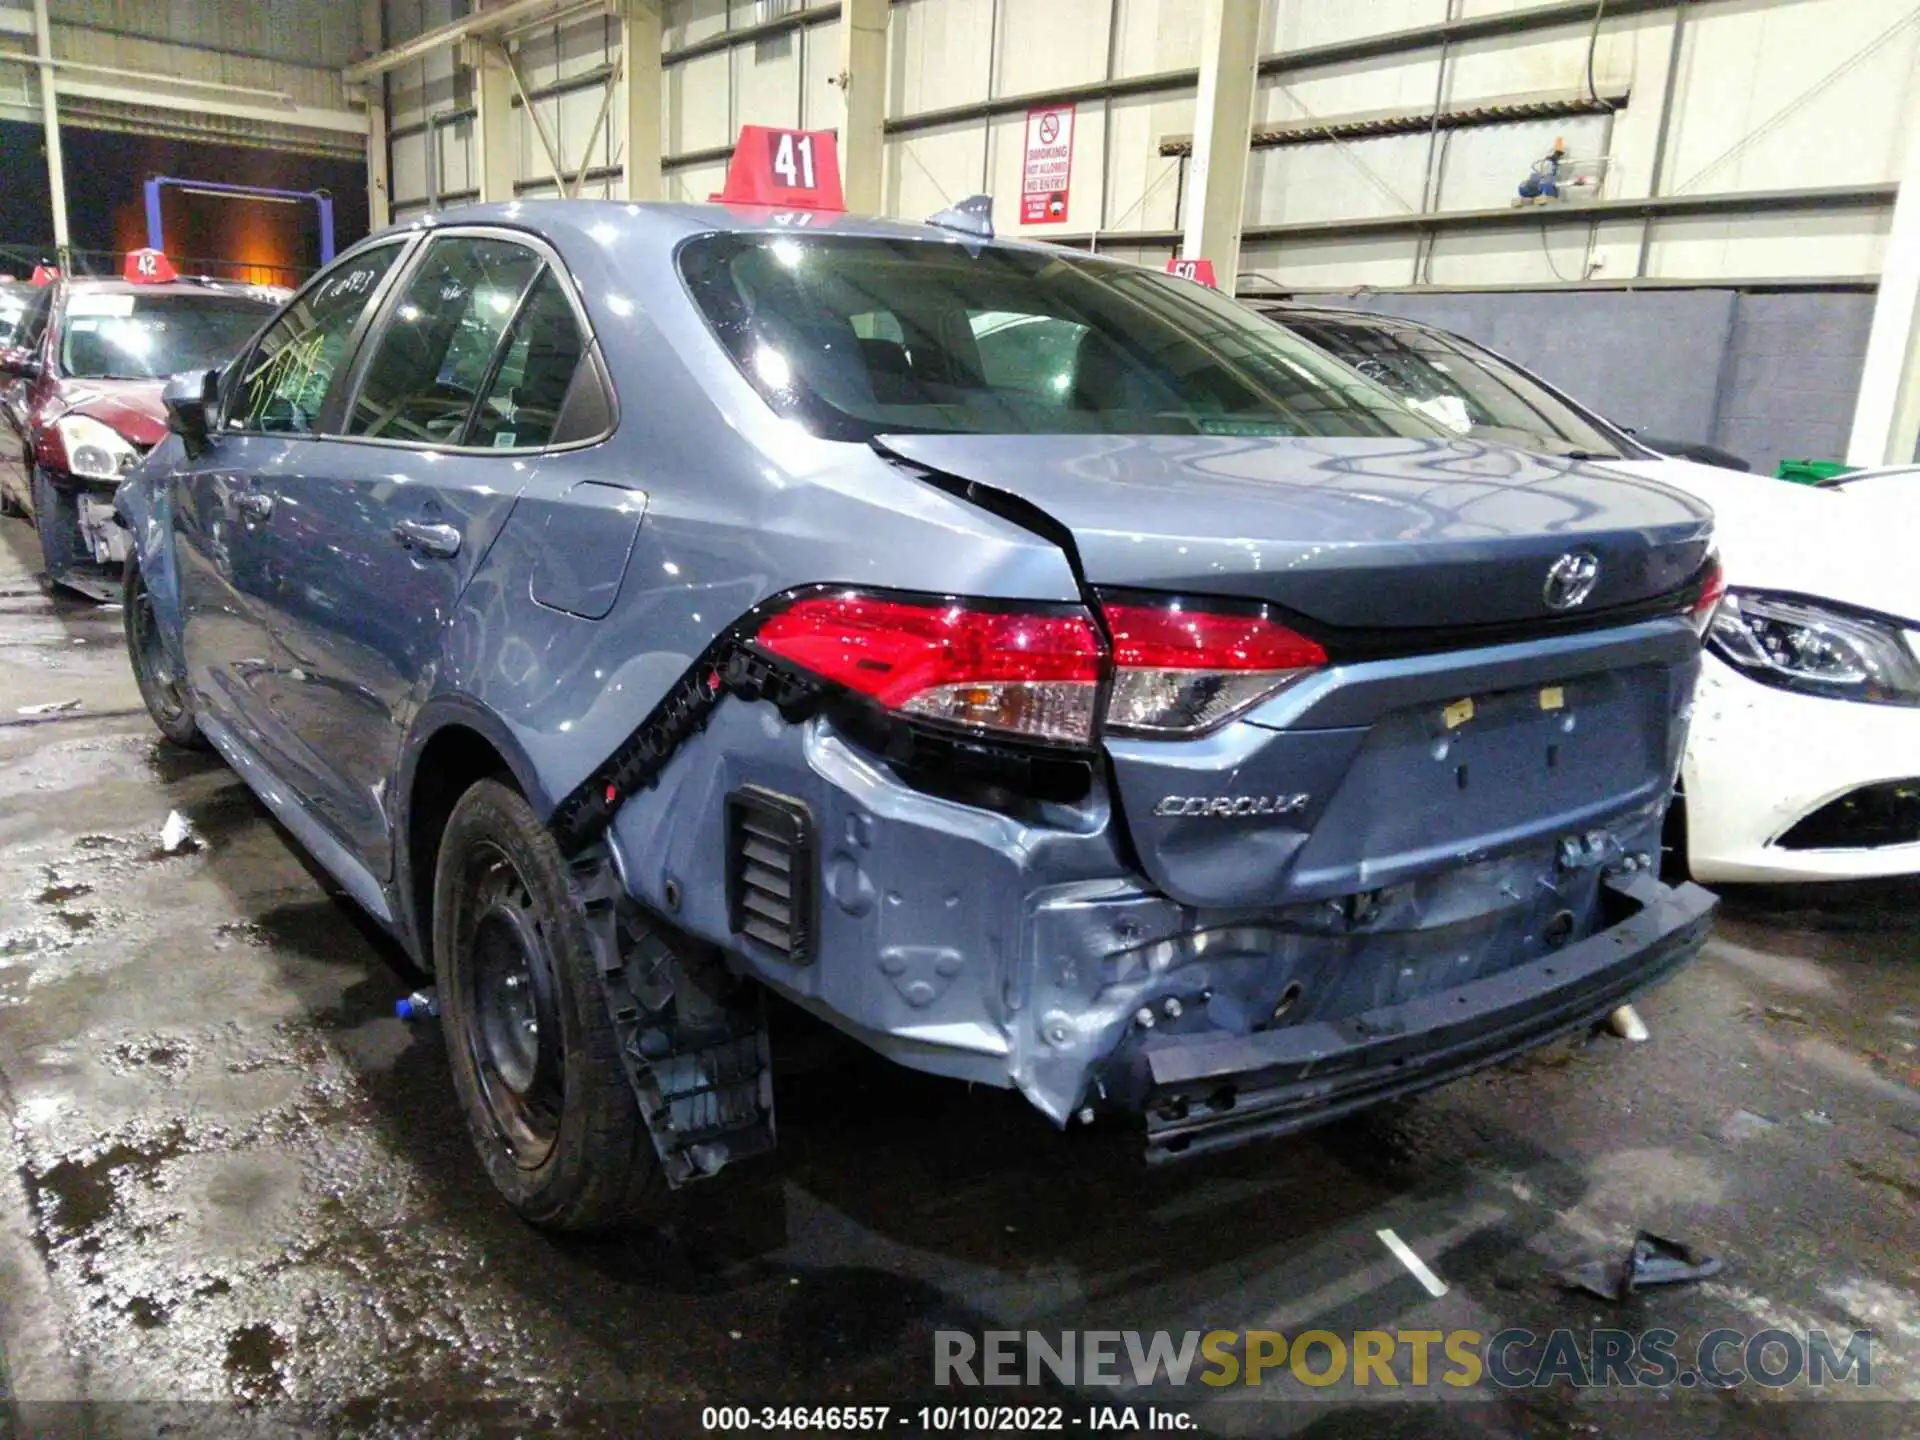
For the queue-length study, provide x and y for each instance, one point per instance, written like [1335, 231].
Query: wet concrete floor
[236, 1196]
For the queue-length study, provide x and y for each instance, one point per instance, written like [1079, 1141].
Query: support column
[494, 154]
[640, 40]
[863, 87]
[379, 193]
[1216, 191]
[1886, 417]
[50, 118]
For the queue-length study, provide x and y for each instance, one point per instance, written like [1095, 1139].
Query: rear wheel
[161, 687]
[535, 1058]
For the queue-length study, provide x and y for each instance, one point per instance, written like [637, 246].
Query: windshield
[146, 337]
[860, 337]
[1464, 388]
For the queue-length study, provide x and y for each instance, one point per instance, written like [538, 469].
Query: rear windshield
[860, 337]
[145, 337]
[1467, 389]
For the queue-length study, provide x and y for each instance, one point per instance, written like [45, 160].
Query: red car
[89, 358]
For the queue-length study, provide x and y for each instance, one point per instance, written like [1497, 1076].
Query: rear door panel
[381, 529]
[357, 617]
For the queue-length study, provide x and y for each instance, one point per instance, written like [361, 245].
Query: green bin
[1811, 472]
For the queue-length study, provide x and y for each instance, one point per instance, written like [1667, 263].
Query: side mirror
[192, 400]
[22, 364]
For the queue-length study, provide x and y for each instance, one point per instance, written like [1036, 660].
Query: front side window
[858, 337]
[123, 335]
[433, 359]
[1466, 389]
[284, 381]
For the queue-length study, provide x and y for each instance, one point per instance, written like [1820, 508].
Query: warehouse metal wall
[1754, 110]
[1768, 376]
[1769, 96]
[294, 48]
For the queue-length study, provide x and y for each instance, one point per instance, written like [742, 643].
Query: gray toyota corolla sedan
[1042, 669]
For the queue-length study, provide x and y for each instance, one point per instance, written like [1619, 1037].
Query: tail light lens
[1037, 671]
[1712, 591]
[1031, 672]
[1179, 671]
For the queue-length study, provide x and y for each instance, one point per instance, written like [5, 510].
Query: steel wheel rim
[512, 1026]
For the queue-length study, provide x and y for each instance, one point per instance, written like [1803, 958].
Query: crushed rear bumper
[1213, 1092]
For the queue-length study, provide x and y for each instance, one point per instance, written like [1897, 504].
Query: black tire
[163, 692]
[556, 1124]
[56, 515]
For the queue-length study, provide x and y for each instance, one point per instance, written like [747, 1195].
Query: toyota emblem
[1570, 579]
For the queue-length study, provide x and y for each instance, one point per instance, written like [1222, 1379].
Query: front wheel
[535, 1058]
[160, 685]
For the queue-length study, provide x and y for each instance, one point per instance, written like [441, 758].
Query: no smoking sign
[1046, 172]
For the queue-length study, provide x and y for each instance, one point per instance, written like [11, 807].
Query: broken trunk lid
[1363, 534]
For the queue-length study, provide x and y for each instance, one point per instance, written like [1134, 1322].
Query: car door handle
[253, 504]
[428, 538]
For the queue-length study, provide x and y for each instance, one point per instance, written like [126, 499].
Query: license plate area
[1467, 776]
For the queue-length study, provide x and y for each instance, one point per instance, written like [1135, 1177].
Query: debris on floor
[1417, 1267]
[1653, 1260]
[50, 707]
[420, 1005]
[177, 835]
[1627, 1024]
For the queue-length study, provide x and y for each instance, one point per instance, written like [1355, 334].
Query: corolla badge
[1230, 807]
[1570, 579]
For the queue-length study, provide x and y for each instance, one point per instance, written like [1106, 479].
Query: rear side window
[285, 378]
[434, 357]
[857, 337]
[523, 401]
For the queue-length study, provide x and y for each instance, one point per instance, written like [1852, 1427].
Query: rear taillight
[1030, 672]
[1713, 589]
[1036, 671]
[1180, 671]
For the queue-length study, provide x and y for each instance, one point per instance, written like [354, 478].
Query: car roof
[597, 222]
[186, 285]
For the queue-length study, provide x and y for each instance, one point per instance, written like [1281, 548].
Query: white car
[1880, 480]
[1804, 758]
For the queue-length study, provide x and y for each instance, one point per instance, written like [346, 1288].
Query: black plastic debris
[1653, 1260]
